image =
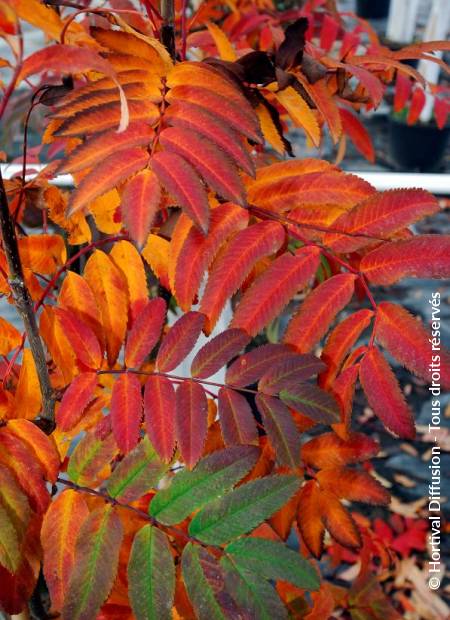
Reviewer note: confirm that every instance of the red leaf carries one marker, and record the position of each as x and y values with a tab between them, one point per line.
383	393
191	421
329	450
179	341
75	400
275	287
140	201
424	256
113	170
281	430
81	338
197	250
328	32
208	160
159	407
286	373
318	310
182	181
383	213
339	343
195	118
126	411
237	422
310	524
145	332
403	86
409	342
343	389
249	368
236	262
441	111
358	134
217	352
371	82
418	100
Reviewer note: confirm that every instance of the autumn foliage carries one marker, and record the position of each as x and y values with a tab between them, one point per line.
137	492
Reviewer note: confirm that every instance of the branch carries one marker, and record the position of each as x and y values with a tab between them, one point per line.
168	26
24	306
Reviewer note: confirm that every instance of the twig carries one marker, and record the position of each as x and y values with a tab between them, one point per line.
24	306
168	26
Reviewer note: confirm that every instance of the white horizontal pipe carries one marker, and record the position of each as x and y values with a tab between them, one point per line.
435	183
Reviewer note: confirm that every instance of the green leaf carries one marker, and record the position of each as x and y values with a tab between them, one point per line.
139	472
10	556
95	567
200	572
243	509
255	595
213	476
273	560
89	458
312	402
151	575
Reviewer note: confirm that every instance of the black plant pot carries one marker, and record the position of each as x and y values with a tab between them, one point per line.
375	9
417	147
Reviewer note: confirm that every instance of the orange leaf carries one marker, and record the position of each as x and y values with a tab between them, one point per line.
358	134
82	339
383	393
43	253
329	450
75	400
39	444
309	522
300	113
140	200
125	256
339	521
57	344
28	398
60	528
10	337
353	485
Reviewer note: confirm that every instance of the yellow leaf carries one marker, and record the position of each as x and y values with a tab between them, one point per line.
27	400
128	260
43	253
270	132
59	348
156	253
10	337
103	209
222	42
300	113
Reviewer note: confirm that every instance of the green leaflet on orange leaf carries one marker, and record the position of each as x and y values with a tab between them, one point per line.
126	411
207	159
217	352
60	528
76	296
235	114
27	397
90	457
329	450
318	310
191	252
75	400
424	256
408	341
274	288
191	421
41	446
183	183
339	343
145	332
281	430
16	455
310	524
195	118
300	113
179	341
43	253
358	134
381	215
113	170
138	473
311	401
129	261
151	575
97	148
95	567
354	485
105	116
140	200
159	409
111	292
236	262
237	422
213	476
311	189
384	395
289	372
241	510
82	339
72	59
10	337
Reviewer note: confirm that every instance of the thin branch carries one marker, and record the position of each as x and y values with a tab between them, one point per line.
168	26
24	306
